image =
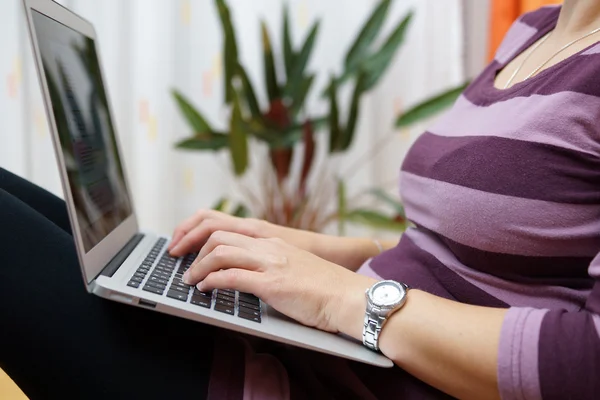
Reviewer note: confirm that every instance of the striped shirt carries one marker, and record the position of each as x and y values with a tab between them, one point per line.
504	192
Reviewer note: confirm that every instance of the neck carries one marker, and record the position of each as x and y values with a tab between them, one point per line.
578	16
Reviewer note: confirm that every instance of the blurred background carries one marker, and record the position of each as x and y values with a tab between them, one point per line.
149	47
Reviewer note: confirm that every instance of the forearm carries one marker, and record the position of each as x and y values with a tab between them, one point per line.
449	345
348	252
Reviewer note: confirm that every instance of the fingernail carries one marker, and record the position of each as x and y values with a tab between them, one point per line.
200	286
186	277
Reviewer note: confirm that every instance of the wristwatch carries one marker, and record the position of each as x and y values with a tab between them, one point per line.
383	299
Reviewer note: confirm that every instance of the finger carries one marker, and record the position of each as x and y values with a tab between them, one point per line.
197	237
177	235
189	224
222	237
223	257
235	279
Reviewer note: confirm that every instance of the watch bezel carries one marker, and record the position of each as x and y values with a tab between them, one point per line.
384	307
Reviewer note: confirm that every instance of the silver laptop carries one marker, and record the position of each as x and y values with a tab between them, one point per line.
118	261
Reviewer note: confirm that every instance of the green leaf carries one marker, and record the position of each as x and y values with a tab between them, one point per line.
215	141
430	107
241	211
230	50
300	99
342	215
222	205
273	89
348	133
386	198
194	118
295	133
301	60
249	93
378	64
335	131
238	140
288	49
367	35
375	220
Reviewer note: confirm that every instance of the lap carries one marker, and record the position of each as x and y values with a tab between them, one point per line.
58	341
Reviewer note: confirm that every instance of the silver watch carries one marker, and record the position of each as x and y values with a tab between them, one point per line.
383	299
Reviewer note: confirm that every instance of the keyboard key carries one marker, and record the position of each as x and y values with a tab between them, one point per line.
180	289
249	306
225	297
224	309
158	280
143	270
136	279
248	296
227	291
201	301
139	275
134	284
225	303
163	270
153	289
180	284
160	275
255	303
244	310
157	285
177	295
199	293
249	317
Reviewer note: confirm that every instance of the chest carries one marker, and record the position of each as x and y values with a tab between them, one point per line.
519	176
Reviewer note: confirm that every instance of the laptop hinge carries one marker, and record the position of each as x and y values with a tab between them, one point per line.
121	256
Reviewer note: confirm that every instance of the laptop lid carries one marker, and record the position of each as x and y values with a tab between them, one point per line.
84	136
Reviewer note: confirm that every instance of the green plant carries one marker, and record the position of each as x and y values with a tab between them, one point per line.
284	126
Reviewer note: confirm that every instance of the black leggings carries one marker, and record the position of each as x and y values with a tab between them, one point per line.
58	341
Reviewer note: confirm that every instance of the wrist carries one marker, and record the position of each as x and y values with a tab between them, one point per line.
351	305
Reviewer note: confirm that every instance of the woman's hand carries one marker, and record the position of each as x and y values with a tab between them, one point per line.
191	235
295	282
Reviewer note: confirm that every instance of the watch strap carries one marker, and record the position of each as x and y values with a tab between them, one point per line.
372	328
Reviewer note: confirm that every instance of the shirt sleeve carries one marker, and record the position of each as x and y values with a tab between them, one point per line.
552	354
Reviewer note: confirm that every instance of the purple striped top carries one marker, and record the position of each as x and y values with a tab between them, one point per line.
505	195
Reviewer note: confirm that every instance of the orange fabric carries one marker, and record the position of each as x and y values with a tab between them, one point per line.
505	12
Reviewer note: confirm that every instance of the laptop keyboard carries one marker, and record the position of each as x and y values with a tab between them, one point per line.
165	277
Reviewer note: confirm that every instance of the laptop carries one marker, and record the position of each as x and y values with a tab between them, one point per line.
118	261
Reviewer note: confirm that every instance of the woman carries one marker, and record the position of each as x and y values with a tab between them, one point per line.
503	262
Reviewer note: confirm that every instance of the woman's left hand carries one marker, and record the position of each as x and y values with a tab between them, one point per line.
313	291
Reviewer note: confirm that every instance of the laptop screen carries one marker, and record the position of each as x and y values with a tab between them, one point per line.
85	128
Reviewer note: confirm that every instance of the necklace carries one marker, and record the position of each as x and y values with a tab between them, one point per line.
533	50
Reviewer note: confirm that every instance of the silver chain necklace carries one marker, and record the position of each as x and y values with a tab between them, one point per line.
533	50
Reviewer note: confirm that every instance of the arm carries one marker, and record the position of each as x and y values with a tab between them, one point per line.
475	352
449	345
335	249
463	350
351	253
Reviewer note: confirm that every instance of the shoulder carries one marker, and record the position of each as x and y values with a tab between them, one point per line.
524	29
539	18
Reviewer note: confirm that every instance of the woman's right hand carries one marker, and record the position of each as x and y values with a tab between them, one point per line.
193	233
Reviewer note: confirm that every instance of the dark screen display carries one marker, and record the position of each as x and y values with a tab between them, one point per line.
85	128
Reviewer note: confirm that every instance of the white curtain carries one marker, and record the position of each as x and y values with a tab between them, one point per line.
151	46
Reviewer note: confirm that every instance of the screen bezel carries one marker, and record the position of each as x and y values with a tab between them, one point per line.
93	261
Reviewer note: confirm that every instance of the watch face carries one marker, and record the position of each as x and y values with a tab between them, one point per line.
387	294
